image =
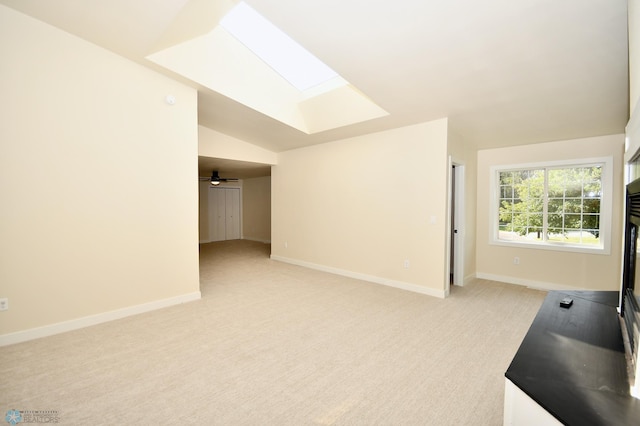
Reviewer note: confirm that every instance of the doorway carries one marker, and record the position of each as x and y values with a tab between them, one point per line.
456	227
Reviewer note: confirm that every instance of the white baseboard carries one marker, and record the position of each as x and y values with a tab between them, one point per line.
257	240
75	324
364	277
468	279
538	285
242	238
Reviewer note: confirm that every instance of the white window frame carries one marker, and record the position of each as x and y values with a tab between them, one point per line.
606	206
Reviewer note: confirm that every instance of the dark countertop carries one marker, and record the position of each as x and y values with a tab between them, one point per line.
572	361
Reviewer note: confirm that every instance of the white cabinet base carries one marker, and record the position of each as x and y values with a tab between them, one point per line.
521	410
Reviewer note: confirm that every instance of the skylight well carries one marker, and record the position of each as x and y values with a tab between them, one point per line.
288	58
242	56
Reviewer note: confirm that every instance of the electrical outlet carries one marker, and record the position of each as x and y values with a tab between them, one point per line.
406	264
4	304
516	260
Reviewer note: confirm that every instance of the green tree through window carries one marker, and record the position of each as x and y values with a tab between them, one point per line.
559	205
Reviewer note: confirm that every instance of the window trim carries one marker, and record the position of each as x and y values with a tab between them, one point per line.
606	206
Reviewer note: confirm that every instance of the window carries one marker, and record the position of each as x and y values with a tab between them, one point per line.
553	206
288	58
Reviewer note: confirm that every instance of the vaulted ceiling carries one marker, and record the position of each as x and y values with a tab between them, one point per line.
505	72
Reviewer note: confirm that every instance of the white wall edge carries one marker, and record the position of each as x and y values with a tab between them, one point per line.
632	136
538	285
78	323
364	277
468	279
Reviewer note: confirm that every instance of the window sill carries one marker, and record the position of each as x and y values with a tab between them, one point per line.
599	249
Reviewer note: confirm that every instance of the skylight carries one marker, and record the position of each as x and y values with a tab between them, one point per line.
288	58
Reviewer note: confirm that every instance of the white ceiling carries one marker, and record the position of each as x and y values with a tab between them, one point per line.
505	72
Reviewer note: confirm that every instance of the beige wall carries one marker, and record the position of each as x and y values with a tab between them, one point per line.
218	145
99	194
256	209
361	206
546	268
203	211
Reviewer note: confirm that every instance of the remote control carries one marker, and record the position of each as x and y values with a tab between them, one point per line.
566	302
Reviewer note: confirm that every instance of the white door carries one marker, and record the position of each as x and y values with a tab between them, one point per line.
224	214
217	215
232	205
456	238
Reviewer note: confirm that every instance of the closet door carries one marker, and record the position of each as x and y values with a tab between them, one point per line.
232	204
217	215
224	214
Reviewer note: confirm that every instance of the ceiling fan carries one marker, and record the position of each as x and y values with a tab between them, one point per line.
215	179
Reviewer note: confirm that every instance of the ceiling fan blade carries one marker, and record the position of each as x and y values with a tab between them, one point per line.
215	177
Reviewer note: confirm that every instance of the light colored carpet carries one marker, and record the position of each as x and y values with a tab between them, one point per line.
277	344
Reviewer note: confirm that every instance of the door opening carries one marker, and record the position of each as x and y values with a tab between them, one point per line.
456	228
453	229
